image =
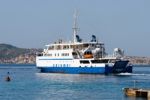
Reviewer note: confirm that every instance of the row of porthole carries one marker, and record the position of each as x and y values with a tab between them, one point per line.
61	65
63	54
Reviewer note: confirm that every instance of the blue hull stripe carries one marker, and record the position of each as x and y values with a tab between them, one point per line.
74	70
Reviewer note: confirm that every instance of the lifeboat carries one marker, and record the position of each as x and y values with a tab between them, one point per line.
88	54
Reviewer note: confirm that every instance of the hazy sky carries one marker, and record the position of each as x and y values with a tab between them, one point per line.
117	23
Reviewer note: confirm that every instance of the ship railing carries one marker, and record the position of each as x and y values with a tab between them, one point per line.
110	57
117	56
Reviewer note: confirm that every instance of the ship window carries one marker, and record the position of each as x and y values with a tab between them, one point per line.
65	54
67	46
51	48
48	54
85	45
72	46
64	47
58	47
84	61
105	61
74	53
99	61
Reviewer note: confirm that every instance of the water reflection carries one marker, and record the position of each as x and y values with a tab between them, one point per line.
69	77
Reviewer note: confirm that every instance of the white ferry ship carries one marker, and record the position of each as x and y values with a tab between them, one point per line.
79	57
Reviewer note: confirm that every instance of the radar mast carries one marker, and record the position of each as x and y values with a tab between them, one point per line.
75	26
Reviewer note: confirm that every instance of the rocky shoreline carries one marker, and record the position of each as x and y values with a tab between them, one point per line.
31	58
13	55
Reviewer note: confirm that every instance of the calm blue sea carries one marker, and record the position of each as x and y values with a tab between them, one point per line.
29	84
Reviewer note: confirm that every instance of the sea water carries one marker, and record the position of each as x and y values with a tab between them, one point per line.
27	83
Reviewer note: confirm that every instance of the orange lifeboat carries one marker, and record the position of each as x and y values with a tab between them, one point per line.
88	54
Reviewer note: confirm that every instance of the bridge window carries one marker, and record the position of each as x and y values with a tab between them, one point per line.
51	48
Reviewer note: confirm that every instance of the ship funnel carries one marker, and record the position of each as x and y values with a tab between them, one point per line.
93	38
78	38
75	27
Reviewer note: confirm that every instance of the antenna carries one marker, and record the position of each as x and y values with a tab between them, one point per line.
75	27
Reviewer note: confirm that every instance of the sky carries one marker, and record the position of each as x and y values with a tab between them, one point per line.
117	23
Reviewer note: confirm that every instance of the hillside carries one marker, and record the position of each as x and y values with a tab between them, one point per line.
8	51
12	54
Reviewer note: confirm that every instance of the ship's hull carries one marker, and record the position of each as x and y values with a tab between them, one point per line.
74	70
118	67
70	66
